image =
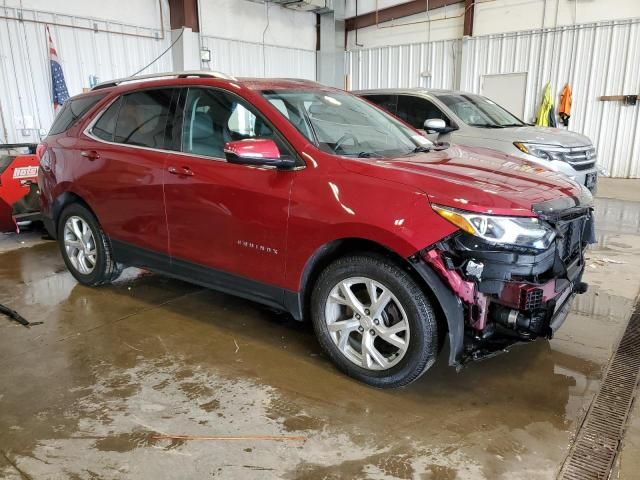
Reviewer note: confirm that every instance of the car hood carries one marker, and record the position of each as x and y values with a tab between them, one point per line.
477	181
543	135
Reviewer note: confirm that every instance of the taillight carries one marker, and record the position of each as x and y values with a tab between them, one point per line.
43	156
40	150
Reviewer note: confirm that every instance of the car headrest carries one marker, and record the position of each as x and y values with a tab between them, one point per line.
202	126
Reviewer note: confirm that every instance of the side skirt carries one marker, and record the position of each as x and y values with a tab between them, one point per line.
208	277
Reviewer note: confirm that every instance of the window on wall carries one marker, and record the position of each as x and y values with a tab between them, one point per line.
143	117
213	118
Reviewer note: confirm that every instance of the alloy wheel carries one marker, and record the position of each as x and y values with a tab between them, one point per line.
80	245
367	323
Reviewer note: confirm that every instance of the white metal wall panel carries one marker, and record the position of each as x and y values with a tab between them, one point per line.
116	50
249	59
596	59
431	65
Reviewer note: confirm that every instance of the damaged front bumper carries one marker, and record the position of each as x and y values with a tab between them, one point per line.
508	294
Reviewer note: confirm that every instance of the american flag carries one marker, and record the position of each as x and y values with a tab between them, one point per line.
59	86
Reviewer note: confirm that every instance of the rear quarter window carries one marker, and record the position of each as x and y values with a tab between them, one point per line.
72	111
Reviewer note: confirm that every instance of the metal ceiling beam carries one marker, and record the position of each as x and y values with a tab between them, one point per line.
469	10
397	11
184	13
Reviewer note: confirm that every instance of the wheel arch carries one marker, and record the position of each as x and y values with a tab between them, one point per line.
335	249
61	202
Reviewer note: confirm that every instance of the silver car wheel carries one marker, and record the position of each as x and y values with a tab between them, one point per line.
367	323
80	245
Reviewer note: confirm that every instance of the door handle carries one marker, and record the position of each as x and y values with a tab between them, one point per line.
182	172
90	154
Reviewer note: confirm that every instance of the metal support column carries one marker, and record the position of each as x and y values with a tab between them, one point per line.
330	57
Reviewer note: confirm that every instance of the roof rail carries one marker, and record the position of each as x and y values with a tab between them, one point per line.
195	73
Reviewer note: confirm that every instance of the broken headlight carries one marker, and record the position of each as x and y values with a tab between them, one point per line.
517	231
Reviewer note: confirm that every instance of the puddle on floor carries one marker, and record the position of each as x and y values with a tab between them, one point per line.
84	393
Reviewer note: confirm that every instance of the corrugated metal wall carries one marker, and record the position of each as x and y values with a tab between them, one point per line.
115	50
596	59
431	65
240	59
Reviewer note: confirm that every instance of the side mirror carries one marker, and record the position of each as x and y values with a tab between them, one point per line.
436	125
261	152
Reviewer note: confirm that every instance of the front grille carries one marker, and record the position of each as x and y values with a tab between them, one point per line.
581	158
584	166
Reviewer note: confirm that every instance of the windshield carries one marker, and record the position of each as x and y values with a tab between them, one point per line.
343	124
478	111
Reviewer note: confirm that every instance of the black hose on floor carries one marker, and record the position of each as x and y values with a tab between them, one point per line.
13	315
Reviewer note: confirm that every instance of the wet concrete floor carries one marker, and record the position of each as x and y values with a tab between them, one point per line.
83	395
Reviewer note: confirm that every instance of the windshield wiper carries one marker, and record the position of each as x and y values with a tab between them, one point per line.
367	155
485	125
421	149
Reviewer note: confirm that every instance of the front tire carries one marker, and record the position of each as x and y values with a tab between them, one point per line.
85	248
374	321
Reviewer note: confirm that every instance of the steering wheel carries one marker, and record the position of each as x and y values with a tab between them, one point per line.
343	139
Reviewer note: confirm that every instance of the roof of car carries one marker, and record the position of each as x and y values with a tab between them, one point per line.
408	91
204	77
280	84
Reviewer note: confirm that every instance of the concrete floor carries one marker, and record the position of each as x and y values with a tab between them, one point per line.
82	395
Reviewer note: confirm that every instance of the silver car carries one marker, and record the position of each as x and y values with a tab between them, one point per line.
475	121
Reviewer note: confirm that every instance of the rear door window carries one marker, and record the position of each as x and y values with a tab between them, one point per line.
72	111
142	119
415	110
105	127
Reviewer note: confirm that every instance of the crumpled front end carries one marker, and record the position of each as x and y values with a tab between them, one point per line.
511	294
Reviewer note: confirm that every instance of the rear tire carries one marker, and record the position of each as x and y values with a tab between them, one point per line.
374	321
85	248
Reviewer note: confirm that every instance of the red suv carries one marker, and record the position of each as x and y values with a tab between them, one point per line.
313	201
